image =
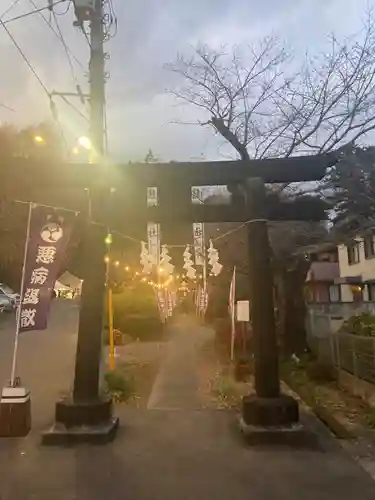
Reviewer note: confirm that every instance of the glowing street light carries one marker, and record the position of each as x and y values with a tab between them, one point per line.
117	263
106	259
84	142
39	139
75	151
126	268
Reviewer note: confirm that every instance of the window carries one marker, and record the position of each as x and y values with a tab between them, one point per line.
371	292
334	293
368	243
353	253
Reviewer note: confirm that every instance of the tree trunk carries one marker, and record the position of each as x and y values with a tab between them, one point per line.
291	308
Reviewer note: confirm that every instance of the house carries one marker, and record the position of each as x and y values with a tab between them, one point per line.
357	268
320	283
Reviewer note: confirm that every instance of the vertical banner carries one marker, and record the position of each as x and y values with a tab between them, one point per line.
170	304
153	229
232	312
49	234
198	231
198	235
162	305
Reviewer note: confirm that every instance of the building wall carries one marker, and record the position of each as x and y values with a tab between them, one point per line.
364	268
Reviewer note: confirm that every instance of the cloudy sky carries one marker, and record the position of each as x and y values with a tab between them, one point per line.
150	33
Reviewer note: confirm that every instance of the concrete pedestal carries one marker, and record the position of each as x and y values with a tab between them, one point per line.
282	410
82	422
15	412
274	421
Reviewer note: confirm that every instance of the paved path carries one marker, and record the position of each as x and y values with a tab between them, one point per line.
45	359
181	453
176	385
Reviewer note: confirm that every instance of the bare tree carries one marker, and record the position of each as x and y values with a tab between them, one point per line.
264	108
256	99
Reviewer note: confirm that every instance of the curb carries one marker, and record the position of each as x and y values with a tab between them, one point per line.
324	415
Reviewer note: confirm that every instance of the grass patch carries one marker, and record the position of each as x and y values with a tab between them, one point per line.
120	385
224	389
336	407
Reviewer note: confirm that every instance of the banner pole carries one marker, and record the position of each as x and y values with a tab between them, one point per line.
18	310
110	331
233	312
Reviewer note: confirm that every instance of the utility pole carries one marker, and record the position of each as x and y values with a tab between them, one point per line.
97	81
87	414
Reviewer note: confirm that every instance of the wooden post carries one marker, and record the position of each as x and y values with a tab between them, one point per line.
267	383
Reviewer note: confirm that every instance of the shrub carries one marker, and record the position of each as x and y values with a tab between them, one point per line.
119	337
119	384
360	324
224	389
136	313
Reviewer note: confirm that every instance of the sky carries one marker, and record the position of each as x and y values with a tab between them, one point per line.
140	114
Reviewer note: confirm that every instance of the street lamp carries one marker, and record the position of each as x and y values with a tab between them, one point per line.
38	139
84	142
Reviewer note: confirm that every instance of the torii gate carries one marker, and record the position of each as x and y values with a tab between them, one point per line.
86	414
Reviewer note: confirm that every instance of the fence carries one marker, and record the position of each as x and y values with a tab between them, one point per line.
351	353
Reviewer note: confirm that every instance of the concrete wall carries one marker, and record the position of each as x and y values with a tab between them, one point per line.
365	268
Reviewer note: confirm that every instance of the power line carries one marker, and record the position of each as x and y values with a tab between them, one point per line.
67	52
2	105
74	107
11	7
56	33
40	81
25	58
27	14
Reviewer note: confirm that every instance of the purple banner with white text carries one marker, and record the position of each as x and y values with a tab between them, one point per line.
49	234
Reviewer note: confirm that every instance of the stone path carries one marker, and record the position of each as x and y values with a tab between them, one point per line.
179	452
176	386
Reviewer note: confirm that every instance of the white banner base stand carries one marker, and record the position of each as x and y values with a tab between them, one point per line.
15	412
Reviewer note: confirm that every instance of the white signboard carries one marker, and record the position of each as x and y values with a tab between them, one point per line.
153	230
198	235
243	310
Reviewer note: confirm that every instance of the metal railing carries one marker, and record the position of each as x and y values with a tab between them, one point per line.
351	353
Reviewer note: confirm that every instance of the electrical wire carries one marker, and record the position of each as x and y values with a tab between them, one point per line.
11	7
66	49
2	105
110	21
56	33
40	81
106	145
27	14
73	107
25	58
66	10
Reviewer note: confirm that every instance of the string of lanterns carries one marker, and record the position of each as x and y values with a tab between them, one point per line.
140	276
163	266
148	261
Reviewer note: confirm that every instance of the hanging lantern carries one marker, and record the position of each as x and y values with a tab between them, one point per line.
188	263
213	260
165	259
146	261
